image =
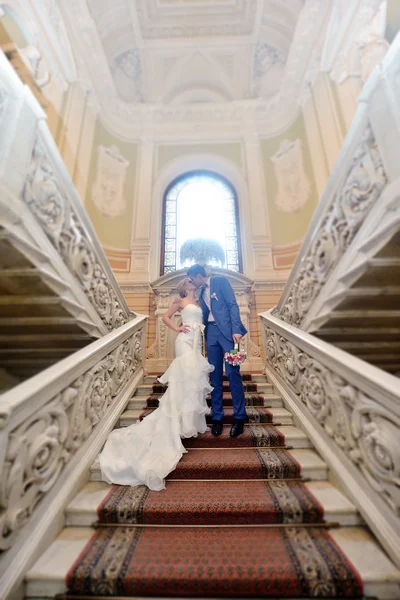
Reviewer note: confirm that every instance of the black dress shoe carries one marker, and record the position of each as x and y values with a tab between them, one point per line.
217	428
237	428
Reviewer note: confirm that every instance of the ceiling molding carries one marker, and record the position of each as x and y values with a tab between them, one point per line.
231	78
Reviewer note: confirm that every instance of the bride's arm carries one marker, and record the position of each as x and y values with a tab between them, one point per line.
175	306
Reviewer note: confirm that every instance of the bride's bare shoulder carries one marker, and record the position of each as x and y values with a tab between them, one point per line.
177	303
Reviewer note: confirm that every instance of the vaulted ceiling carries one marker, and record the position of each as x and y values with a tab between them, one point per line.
185	51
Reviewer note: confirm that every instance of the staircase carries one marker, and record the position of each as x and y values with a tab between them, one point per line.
41	319
320	451
365	320
332	343
218	485
344	287
70	348
57	291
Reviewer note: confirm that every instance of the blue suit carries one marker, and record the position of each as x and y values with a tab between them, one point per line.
219	340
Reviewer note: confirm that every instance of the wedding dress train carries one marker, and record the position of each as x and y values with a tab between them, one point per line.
144	453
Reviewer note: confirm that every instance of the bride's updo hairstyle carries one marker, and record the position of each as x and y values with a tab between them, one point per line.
181	287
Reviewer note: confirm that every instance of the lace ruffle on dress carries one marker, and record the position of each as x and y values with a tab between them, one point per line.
144	453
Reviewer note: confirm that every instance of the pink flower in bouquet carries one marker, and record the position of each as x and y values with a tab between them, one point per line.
235	357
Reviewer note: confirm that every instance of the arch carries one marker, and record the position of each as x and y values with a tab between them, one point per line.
199	162
230	240
193	94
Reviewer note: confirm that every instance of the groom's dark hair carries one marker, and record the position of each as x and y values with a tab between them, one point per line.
195	270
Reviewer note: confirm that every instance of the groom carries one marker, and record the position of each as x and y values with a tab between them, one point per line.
223	329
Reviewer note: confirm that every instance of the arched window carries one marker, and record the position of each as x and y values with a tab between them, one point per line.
200	204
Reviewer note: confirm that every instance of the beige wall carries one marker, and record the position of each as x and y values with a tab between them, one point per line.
112	231
287	227
168	152
262	300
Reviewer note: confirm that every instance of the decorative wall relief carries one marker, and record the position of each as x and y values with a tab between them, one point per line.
362	427
361	187
128	75
108	188
56	215
41	446
293	185
268	63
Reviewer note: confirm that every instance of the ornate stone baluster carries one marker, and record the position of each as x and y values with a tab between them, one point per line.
38	448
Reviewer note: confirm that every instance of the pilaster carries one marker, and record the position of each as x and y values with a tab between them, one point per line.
257	202
142	214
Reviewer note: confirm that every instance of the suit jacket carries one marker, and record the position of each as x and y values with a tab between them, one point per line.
224	307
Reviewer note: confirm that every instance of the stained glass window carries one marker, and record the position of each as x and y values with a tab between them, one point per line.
200	205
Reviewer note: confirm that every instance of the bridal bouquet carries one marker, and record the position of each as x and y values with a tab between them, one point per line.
235	357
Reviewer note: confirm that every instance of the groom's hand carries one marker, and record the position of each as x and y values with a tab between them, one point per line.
237	337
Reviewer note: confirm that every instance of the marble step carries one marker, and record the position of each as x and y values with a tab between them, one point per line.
293	436
381	578
146	389
270	400
149	379
311	465
280	415
258	378
82	511
255	378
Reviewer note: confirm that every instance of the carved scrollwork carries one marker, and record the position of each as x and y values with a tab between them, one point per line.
40	447
363	184
377	453
365	430
254	349
47	201
293	185
162	340
152	351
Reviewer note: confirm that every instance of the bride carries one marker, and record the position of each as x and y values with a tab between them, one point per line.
144	453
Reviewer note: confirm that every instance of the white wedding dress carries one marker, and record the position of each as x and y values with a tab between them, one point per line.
144	453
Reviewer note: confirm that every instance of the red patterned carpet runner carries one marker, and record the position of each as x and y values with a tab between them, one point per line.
225	562
220	538
255	414
159	388
212	503
251	400
260	463
257	435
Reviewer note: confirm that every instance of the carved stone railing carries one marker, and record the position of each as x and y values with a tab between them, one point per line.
366	167
349	408
351	412
51	429
33	172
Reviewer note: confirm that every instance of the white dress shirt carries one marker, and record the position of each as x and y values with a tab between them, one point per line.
207	299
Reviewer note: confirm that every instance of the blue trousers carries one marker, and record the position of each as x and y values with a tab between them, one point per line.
217	345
